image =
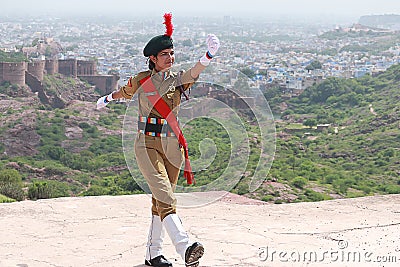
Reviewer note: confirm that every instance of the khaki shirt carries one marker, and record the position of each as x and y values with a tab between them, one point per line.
167	88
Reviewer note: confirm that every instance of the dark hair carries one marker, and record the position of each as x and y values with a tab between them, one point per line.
156	44
152	65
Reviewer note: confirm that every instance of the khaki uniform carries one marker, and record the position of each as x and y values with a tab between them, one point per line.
159	158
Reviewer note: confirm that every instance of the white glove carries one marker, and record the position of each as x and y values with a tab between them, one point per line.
103	101
212	45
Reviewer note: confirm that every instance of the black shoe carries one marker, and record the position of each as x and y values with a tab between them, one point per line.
193	254
159	261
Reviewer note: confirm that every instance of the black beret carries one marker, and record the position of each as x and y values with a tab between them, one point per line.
156	44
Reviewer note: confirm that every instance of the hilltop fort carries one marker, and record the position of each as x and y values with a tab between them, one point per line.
43	61
31	73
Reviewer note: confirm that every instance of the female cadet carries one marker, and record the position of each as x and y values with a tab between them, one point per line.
159	145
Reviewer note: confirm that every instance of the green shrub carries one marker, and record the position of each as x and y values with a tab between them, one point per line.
11	184
315	196
392	189
39	190
10	176
95	190
56	169
12	190
299	182
84	125
267	198
92	131
51	151
331	178
366	189
341	186
4	199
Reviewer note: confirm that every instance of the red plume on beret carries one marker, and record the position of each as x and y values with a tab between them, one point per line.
169	28
160	42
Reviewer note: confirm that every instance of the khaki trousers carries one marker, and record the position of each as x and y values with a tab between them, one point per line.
159	159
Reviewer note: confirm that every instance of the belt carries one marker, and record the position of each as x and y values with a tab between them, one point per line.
154	127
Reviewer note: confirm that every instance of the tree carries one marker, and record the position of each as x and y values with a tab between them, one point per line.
48	52
310	122
11	184
35	41
10	176
248	72
314	65
12	56
39	190
299	182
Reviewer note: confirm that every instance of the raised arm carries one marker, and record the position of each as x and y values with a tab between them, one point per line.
212	45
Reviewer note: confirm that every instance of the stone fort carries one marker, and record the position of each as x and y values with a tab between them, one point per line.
31	73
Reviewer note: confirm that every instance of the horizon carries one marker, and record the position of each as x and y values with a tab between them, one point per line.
339	10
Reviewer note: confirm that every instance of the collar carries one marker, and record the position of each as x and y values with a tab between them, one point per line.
163	75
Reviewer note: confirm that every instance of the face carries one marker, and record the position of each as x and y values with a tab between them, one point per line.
164	59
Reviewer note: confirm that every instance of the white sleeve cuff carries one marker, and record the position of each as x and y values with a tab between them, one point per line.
109	97
204	60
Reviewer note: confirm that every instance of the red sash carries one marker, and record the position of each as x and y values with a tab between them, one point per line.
159	104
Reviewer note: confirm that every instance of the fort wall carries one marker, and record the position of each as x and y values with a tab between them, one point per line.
22	73
104	83
1	72
36	68
37	86
86	67
13	72
51	66
68	67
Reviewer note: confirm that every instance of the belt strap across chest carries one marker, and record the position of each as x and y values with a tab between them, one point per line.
162	107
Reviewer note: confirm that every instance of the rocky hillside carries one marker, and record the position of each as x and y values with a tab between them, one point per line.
338	139
21	110
57	148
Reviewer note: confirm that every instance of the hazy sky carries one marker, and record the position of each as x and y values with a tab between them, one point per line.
258	8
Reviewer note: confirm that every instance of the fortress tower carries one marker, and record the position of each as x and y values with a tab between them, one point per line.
86	67
32	73
68	67
51	66
13	72
36	68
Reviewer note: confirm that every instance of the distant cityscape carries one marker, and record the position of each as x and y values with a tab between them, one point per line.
274	53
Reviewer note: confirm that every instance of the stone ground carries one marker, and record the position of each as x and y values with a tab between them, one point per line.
236	231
